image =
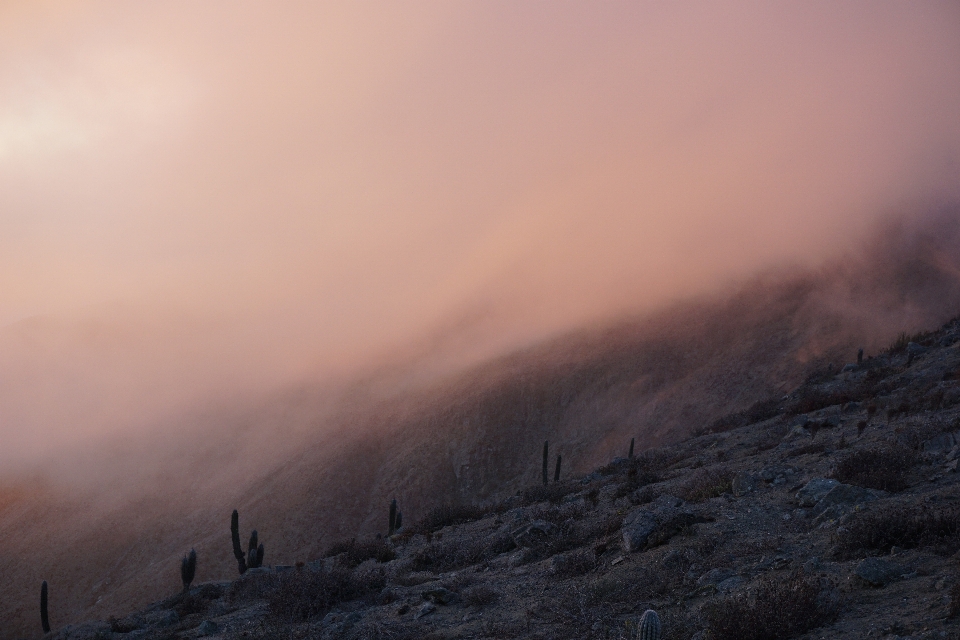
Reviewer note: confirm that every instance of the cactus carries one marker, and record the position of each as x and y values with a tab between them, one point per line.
393	518
44	618
255	552
556	474
235	535
399	521
188	569
859	356
630	455
545	462
649	626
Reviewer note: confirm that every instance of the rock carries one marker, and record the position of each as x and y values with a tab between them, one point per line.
655	523
915	349
165	618
534	534
426	610
280	568
440	596
945	442
730	584
207	628
850	366
844	495
877	572
852	407
797	433
715	576
813	491
637	528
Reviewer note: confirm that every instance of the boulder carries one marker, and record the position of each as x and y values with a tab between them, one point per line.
655	523
534	534
813	491
877	572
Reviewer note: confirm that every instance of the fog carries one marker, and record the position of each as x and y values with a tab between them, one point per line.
201	202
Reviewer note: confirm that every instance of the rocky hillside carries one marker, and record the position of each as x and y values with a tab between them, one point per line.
832	512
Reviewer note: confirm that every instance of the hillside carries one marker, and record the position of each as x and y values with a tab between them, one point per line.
471	438
833	512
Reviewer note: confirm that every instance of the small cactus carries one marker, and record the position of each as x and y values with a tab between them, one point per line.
556	474
399	522
255	552
188	569
859	356
546	444
649	626
393	518
44	618
630	455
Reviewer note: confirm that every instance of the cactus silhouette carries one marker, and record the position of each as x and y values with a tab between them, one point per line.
649	626
235	535
393	517
399	522
255	552
188	569
44	618
630	455
545	462
556	474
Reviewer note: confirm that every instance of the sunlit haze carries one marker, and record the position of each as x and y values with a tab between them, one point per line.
214	198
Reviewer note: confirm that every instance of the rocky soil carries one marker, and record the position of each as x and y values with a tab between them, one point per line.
832	512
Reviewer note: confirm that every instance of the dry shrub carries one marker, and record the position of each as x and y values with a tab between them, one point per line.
775	609
301	595
448	555
553	493
954	600
449	515
575	563
480	595
357	552
706	484
903	526
883	467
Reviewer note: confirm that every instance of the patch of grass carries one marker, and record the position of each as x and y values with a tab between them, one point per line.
907	527
360	551
775	609
706	484
882	467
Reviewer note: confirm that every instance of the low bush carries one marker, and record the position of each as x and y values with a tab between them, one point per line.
553	493
448	555
907	527
449	515
357	552
575	563
882	467
706	484
775	609
301	595
480	595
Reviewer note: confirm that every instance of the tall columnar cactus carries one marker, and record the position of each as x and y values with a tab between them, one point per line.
188	569
649	626
546	446
556	474
399	522
630	455
237	549
44	618
859	356
393	518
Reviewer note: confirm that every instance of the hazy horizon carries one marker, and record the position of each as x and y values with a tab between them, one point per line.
208	201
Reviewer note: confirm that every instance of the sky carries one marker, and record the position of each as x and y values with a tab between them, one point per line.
201	198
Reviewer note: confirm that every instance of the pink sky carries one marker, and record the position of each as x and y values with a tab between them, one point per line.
259	190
